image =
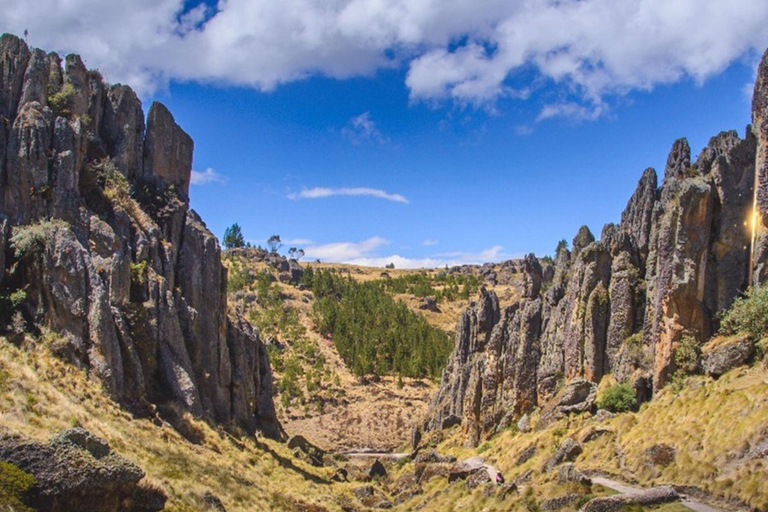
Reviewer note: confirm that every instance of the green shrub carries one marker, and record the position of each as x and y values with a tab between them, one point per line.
139	272
61	102
687	354
618	398
748	314
29	240
15	485
239	278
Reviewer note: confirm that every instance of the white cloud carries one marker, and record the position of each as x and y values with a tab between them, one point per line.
587	48
298	241
362	128
207	176
429	242
345	251
366	253
322	192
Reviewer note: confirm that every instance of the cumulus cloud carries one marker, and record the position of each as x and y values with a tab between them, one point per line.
322	192
367	253
466	51
210	175
362	128
341	252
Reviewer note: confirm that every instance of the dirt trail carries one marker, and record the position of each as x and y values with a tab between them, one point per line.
623	488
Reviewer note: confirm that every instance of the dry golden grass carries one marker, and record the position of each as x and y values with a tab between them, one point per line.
40	396
715	427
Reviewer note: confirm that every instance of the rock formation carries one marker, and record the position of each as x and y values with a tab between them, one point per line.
621	304
78	471
96	230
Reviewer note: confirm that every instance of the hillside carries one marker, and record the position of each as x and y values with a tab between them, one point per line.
344	411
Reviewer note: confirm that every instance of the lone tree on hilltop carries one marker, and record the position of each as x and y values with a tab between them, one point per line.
274	243
295	253
233	237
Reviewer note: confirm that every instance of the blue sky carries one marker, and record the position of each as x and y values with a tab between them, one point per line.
419	133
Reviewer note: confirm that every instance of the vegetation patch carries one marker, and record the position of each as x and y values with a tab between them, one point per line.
374	333
15	486
618	398
29	240
748	314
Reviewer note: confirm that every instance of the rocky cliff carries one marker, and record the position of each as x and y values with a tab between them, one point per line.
98	244
621	304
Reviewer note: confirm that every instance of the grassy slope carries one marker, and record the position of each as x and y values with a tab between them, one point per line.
40	395
711	424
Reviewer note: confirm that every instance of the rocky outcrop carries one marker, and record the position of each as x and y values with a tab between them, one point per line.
96	229
645	498
78	471
760	215
167	148
620	304
721	355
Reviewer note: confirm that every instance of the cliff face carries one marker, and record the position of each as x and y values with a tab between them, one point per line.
621	304
96	230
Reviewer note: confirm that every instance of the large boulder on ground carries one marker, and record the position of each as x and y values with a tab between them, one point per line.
377	470
577	396
525	455
429	304
478	478
559	502
464	468
722	355
78	471
661	454
432	457
424	472
654	496
567	452
569	473
305	450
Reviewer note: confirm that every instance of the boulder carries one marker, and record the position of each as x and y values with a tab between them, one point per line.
567	452
432	457
568	473
213	502
377	470
305	450
78	471
477	478
559	502
524	425
720	356
661	454
296	271
577	396
340	475
644	498
506	490
525	455
593	433
429	304
424	472
464	468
